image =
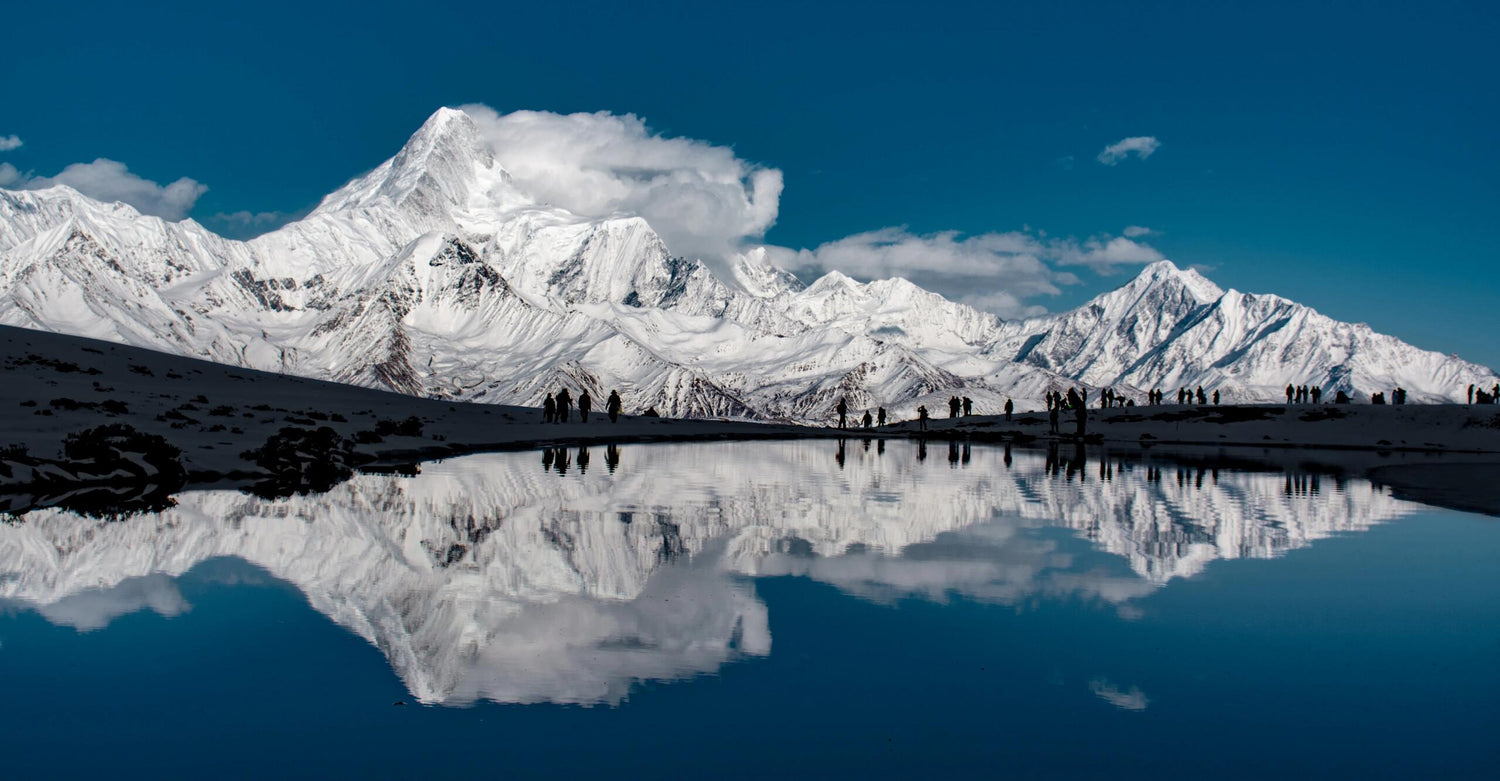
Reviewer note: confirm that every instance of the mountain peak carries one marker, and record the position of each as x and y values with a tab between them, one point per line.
437	169
1165	272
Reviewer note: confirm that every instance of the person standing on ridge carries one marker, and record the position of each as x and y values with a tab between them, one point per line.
953	406
1216	397
1202	397
881	417
585	403
1317	394
922	417
564	405
867	421
549	409
612	406
968	406
843	410
1009	408
1289	391
1471	393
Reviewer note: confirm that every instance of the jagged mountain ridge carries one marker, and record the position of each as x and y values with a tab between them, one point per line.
435	274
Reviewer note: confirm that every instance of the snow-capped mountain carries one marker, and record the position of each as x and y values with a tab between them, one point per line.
488	577
436	274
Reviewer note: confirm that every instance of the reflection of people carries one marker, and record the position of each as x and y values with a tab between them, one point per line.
546	459
583	459
921	450
560	462
953	452
612	458
839	456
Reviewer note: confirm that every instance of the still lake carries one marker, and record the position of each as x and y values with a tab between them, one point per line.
759	610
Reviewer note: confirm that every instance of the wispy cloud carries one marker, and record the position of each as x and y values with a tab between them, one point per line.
246	224
1140	146
1131	699
9	142
1136	231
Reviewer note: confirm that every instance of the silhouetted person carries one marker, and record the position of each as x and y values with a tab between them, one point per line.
1202	397
612	458
1495	394
1081	414
585	403
1182	394
1216	397
953	406
583	459
867	419
1052	413
1341	398
1317	394
968	406
1009	408
1398	396
650	413
1290	391
1471	393
1377	398
922	419
843	410
564	405
612	406
880	417
549	409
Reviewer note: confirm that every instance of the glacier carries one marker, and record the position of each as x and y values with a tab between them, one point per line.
435	274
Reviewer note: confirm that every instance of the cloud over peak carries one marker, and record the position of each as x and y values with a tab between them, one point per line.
10	142
110	180
1140	146
701	198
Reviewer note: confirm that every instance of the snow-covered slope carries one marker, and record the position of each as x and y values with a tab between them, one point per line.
488	577
435	274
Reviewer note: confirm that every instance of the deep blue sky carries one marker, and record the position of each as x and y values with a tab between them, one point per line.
1340	154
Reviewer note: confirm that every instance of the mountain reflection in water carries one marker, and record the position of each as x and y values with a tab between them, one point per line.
494	577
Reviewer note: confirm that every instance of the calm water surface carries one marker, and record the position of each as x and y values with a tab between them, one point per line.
759	610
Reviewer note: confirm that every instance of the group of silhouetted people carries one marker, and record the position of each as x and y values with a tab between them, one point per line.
556	408
1480	396
1302	394
1111	398
866	421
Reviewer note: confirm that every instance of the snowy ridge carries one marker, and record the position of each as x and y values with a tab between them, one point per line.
487	578
434	274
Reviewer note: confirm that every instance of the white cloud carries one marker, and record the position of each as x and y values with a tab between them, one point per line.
1104	254
10	142
9	175
1136	231
1141	146
110	180
996	272
702	199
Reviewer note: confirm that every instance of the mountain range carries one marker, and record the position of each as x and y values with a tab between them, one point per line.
436	274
